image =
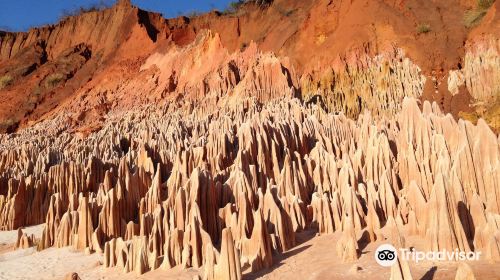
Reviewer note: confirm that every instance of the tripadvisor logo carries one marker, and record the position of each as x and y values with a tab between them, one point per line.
386	255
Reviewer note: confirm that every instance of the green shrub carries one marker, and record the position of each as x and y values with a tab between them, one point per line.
474	17
485	4
423	28
261	2
193	14
93	7
234	7
5	80
53	80
7	125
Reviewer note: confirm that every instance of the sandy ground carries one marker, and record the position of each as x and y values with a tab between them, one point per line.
48	264
314	258
56	263
8	237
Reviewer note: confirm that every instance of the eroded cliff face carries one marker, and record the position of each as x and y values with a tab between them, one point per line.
481	71
212	143
360	82
103	31
47	65
336	51
480	77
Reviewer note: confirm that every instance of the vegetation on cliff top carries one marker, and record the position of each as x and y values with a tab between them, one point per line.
94	7
5	81
473	17
236	6
423	28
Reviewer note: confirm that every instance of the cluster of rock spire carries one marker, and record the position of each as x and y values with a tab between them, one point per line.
227	190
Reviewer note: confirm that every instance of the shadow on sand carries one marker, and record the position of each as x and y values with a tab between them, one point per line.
278	259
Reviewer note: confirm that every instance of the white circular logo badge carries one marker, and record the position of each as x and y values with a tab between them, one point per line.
386	255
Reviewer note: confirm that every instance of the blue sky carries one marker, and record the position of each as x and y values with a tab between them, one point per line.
20	15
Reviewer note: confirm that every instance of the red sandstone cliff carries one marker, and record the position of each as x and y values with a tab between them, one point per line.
319	45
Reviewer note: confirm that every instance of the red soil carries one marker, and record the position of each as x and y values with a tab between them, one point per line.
84	59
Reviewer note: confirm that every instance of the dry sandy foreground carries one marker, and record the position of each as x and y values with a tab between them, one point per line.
54	263
314	258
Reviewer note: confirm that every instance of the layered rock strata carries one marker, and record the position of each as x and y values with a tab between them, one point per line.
358	81
480	73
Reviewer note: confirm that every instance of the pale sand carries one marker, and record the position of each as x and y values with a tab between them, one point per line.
47	264
56	263
9	237
314	258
